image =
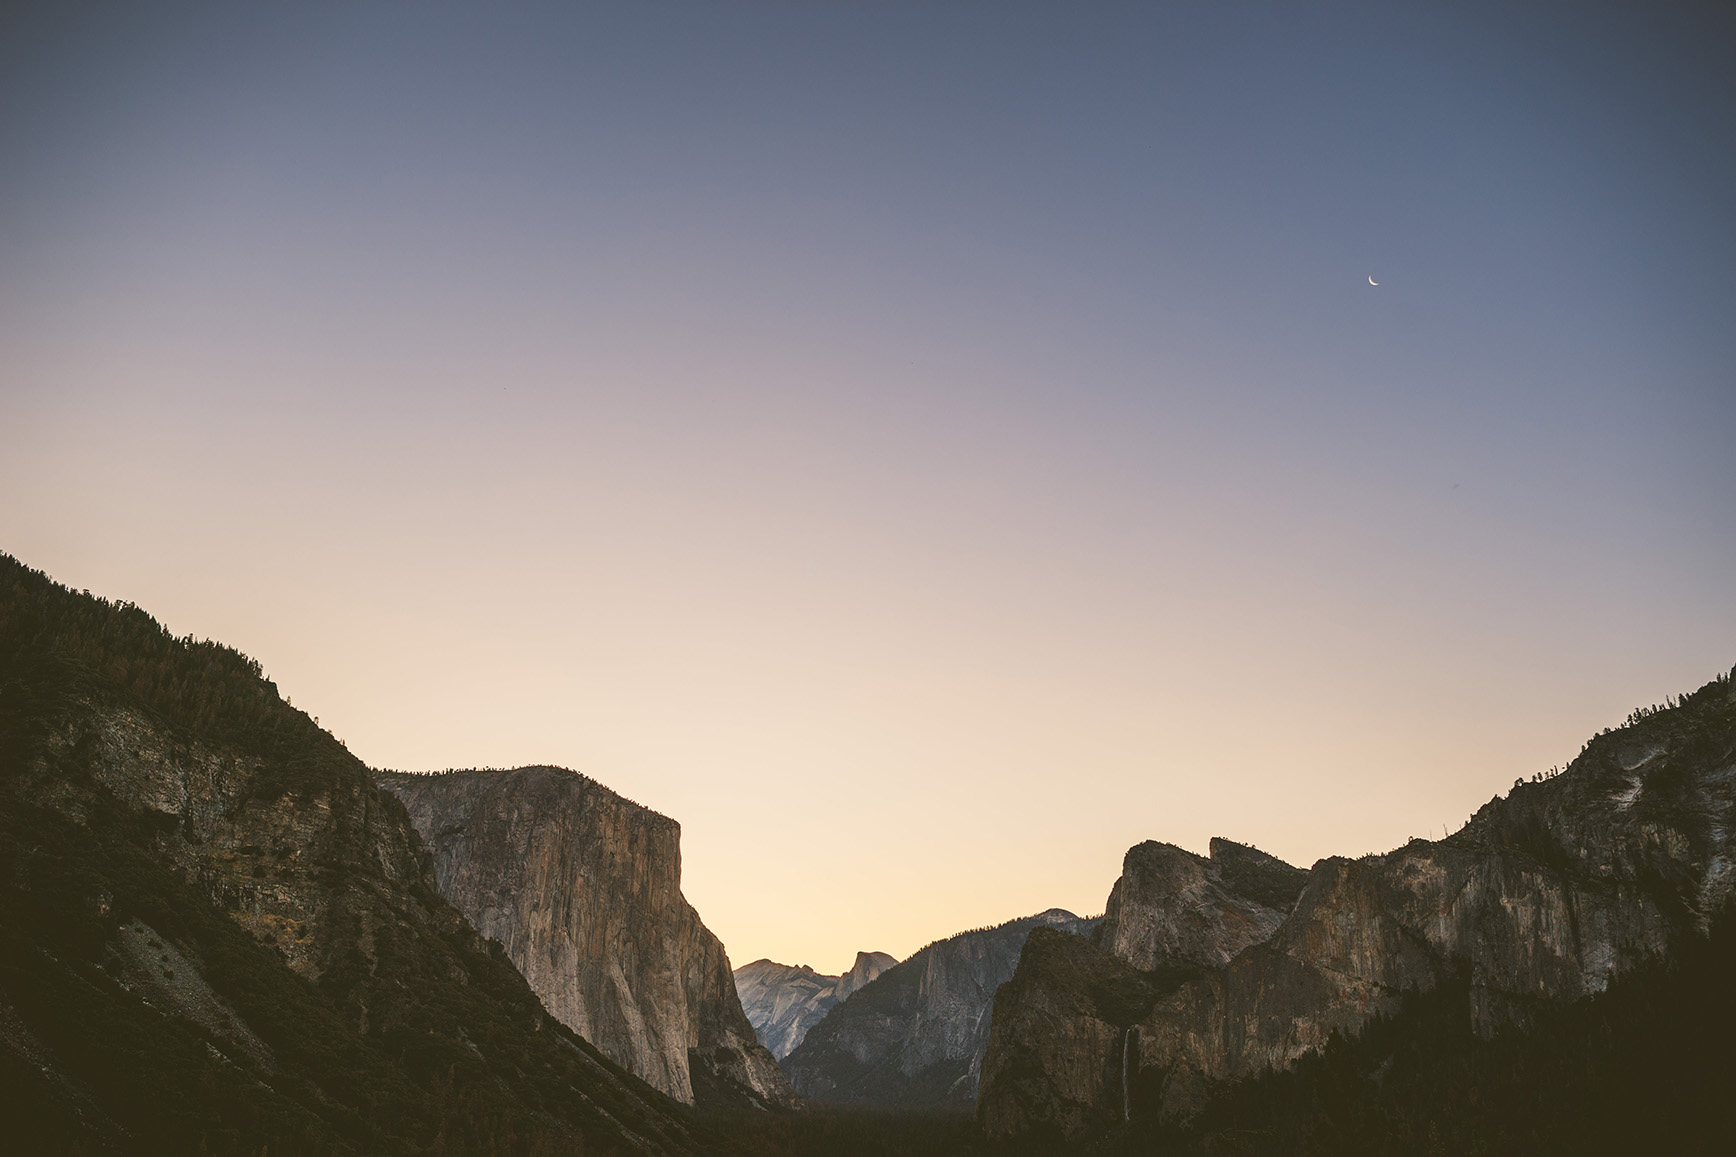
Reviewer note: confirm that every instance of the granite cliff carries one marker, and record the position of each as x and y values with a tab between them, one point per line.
1059	1046
1547	895
216	934
784	1001
1173	907
913	1038
583	890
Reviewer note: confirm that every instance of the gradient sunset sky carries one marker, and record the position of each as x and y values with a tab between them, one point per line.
924	449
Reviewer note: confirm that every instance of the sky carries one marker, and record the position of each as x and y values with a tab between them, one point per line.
923	449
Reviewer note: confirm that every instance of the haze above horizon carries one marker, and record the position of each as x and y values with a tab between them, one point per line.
924	450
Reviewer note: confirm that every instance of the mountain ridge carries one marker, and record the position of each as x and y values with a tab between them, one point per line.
1548	895
913	1037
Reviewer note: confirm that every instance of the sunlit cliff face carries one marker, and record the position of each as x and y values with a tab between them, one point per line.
923	458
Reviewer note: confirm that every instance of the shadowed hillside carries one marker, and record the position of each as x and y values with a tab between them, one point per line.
1455	966
912	1039
217	936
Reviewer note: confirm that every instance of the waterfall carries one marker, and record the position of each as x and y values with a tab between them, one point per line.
1129	1038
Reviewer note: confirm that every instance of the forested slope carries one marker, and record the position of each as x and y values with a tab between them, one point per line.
216	935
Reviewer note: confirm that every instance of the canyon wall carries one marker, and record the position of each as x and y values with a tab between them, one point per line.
583	890
1059	1050
1546	895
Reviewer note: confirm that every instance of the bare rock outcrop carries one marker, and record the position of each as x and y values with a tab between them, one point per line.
784	1001
583	890
1063	1046
866	970
1171	906
1062	1037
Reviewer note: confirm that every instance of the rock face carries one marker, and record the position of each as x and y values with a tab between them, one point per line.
1061	1040
216	932
913	1038
1062	1048
1171	906
784	1001
1547	894
868	967
583	889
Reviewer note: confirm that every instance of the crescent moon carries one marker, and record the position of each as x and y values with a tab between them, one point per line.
1372	281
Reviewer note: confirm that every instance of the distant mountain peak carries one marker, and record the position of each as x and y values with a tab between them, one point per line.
784	1001
913	1038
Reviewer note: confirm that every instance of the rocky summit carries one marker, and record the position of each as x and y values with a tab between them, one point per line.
1173	907
583	889
914	1037
783	1001
1546	896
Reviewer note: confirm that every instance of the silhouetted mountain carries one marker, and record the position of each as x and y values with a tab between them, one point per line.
216	934
1547	896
